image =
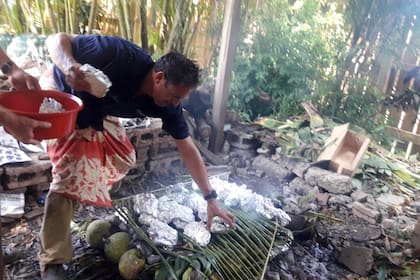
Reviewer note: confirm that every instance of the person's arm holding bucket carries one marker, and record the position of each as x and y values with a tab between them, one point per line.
19	127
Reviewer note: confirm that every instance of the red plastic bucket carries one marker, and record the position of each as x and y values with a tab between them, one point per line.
27	103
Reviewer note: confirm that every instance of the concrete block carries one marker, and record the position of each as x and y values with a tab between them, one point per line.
27	174
241	140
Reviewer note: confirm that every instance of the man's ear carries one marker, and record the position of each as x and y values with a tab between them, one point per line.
159	76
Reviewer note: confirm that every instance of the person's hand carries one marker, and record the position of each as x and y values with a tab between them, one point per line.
22	128
22	80
214	209
76	78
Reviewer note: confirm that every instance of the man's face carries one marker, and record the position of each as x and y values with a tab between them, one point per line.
165	94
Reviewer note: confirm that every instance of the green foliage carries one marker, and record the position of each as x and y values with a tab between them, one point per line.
322	51
284	49
359	106
296	138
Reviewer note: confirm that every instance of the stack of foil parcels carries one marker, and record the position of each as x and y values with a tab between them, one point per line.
185	209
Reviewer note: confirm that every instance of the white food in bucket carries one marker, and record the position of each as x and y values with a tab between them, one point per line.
50	105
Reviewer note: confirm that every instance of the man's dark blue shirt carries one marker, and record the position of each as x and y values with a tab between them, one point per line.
126	65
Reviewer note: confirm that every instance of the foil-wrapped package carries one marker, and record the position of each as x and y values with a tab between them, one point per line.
219	226
233	195
178	197
266	208
146	219
172	212
99	82
50	105
196	202
198	232
146	203
162	234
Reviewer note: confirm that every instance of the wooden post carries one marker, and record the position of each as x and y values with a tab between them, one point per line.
231	28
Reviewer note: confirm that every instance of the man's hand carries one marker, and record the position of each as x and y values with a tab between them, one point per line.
76	78
214	209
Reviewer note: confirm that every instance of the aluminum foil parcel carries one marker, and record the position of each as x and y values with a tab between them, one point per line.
99	82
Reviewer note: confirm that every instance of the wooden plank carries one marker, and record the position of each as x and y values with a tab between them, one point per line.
213	158
403	135
231	28
34	213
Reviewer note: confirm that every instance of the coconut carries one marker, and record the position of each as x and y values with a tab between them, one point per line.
96	231
116	245
131	264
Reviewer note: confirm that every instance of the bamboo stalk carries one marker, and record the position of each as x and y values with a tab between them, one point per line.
126	19
41	16
74	17
61	19
190	35
143	20
92	16
26	14
166	23
14	16
51	16
121	20
66	15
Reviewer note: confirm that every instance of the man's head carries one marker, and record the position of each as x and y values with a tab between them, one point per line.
174	78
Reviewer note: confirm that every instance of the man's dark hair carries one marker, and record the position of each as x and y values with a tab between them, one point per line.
178	69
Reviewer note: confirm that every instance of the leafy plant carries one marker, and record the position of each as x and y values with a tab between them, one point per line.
284	49
296	138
